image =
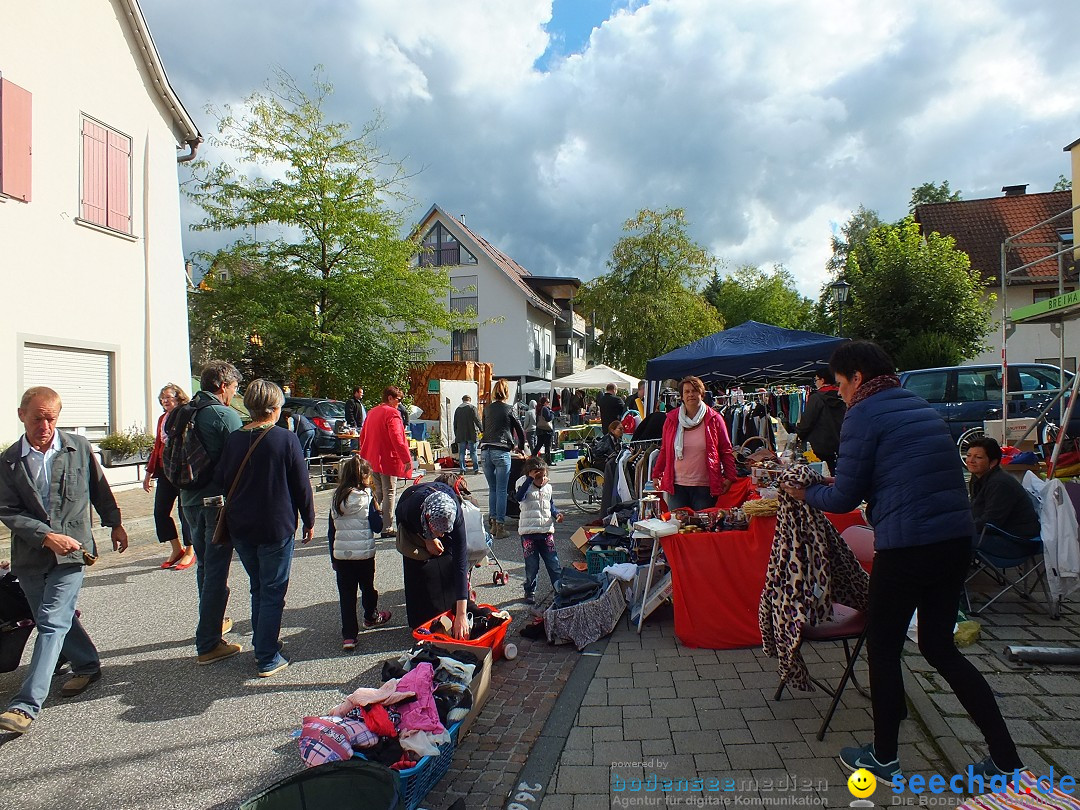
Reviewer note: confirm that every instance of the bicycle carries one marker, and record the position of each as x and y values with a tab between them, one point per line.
587	488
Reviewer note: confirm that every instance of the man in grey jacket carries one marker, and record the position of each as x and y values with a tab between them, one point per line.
48	480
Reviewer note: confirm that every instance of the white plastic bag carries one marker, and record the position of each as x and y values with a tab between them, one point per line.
476	536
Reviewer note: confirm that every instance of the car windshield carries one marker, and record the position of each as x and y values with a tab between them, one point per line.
331	409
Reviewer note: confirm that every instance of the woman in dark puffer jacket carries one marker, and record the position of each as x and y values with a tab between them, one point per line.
896	453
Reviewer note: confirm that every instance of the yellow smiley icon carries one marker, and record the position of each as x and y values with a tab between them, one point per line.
862	783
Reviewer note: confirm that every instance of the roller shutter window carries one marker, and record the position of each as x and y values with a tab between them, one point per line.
82	377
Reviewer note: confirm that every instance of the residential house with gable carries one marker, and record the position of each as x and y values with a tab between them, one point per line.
980	228
90	240
526	327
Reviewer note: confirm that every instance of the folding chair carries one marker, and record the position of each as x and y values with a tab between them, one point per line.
997	562
846	625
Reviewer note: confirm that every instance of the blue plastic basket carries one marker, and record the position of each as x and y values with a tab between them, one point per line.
416	782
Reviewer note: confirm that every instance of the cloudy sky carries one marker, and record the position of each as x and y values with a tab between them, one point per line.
550	123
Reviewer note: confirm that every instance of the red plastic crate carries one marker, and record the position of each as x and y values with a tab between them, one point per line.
493	639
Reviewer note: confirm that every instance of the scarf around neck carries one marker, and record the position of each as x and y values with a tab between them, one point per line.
687	422
875	385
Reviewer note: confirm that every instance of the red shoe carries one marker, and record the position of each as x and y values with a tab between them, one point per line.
185	566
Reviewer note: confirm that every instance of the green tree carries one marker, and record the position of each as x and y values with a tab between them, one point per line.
912	293
852	233
932	193
649	303
329	294
752	294
1063	184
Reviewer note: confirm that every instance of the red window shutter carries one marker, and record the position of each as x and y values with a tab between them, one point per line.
15	141
119	183
94	170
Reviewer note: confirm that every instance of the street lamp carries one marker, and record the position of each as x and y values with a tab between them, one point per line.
838	294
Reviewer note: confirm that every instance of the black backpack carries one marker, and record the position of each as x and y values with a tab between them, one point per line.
184	459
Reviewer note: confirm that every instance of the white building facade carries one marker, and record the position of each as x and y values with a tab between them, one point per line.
521	322
90	237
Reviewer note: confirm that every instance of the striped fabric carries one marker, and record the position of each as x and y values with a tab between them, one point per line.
1026	796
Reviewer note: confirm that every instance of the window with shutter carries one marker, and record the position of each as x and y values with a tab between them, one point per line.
106	177
15	141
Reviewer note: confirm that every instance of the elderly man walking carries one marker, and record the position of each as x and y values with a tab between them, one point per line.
48	480
213	420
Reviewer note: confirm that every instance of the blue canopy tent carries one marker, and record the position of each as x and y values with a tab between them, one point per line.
750	353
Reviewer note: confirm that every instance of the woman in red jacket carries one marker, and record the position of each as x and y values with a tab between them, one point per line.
383	446
696	464
183	556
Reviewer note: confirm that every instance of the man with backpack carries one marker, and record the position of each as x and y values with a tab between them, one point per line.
196	436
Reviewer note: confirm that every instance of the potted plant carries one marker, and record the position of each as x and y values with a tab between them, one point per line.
130	447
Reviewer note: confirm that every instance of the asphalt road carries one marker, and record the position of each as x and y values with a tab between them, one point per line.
159	731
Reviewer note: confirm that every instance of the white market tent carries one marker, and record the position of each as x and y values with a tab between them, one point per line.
597	376
535	387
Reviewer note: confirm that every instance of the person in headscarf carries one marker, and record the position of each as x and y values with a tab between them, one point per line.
430	516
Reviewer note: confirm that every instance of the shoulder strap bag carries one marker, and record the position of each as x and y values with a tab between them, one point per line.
221	530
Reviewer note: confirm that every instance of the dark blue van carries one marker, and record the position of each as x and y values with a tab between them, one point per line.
966	396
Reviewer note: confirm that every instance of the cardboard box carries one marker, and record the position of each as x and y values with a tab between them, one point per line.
481	682
582	536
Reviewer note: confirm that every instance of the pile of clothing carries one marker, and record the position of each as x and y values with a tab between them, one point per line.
425	692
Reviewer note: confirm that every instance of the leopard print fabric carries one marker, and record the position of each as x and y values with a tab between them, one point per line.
810	568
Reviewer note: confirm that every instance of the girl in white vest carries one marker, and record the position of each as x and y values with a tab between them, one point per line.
355	521
536	525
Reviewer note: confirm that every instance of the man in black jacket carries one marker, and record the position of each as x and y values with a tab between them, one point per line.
612	407
999	503
355	410
820	421
466	425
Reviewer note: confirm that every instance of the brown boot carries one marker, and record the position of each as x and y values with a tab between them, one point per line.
498	530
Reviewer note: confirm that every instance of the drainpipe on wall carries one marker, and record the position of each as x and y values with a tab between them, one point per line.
193	146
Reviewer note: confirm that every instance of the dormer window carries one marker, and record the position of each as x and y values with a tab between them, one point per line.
441	249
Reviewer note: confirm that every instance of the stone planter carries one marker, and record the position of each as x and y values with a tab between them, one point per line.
111	458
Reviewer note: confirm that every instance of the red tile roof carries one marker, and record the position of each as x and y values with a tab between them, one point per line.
981	226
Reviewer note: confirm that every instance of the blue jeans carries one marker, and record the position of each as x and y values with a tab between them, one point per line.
267	565
52	596
306	441
469	447
211	576
536	547
696	498
497	472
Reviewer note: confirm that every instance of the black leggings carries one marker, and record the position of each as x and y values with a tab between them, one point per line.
929	578
353	575
164	498
543	442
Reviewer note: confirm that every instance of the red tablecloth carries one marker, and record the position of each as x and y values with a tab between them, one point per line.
717	579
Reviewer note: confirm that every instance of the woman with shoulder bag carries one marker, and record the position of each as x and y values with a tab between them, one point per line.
502	434
262	467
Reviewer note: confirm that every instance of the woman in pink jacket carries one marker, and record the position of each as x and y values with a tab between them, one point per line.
696	464
383	446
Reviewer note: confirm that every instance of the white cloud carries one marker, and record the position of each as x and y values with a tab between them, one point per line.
768	120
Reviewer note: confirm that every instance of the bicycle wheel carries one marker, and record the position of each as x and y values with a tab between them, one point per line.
587	490
965	439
